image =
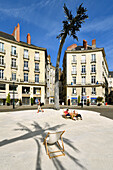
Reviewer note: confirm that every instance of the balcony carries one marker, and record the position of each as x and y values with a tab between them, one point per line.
14	67
93	93
37	58
26	57
93	61
74	94
93	72
2	51
83	72
26	69
74	72
2	65
83	61
83	93
3	78
14	54
37	70
74	62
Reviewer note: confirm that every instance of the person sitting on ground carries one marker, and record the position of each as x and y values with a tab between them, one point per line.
75	114
69	114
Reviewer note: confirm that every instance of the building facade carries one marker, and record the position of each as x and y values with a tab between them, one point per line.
22	68
85	74
110	88
50	79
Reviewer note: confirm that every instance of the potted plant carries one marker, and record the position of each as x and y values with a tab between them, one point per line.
8	100
99	101
78	100
32	101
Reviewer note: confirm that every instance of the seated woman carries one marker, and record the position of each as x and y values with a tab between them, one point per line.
75	114
69	114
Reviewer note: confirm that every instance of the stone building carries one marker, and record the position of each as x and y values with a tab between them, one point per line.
85	74
22	68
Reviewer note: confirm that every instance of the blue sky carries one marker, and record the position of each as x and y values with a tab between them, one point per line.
43	20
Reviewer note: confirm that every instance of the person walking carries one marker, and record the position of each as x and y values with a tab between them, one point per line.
39	106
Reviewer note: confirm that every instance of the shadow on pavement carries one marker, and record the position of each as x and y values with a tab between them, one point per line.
38	134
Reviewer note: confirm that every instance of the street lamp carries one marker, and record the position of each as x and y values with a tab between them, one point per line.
13	97
82	99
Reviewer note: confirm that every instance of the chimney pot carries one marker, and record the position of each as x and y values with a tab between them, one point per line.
94	43
85	44
28	38
16	32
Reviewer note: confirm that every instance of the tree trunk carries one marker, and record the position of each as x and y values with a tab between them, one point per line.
56	106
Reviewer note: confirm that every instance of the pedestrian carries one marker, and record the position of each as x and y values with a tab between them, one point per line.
39	106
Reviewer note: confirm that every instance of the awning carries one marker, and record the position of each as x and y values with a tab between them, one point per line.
93	97
74	98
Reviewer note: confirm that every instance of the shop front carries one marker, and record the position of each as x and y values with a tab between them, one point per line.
93	100
74	100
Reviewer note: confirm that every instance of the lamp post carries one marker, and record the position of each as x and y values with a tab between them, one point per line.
82	99
13	97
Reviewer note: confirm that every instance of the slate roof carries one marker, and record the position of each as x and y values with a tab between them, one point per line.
7	36
11	37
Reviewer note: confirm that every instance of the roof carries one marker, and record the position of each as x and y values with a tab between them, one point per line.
81	48
12	38
7	36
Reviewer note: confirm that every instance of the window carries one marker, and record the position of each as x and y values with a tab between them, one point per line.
26	77
36	90
1	47
83	80
93	90
37	66
26	65
83	69
73	69
1	74
13	50
13	87
2	86
36	78
13	64
93	57
93	79
83	90
13	76
37	56
26	54
74	80
74	58
83	58
93	68
74	91
1	60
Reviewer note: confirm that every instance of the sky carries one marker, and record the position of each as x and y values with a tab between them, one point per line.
43	20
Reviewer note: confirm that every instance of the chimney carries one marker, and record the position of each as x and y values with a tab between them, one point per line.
16	32
28	38
94	43
85	44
